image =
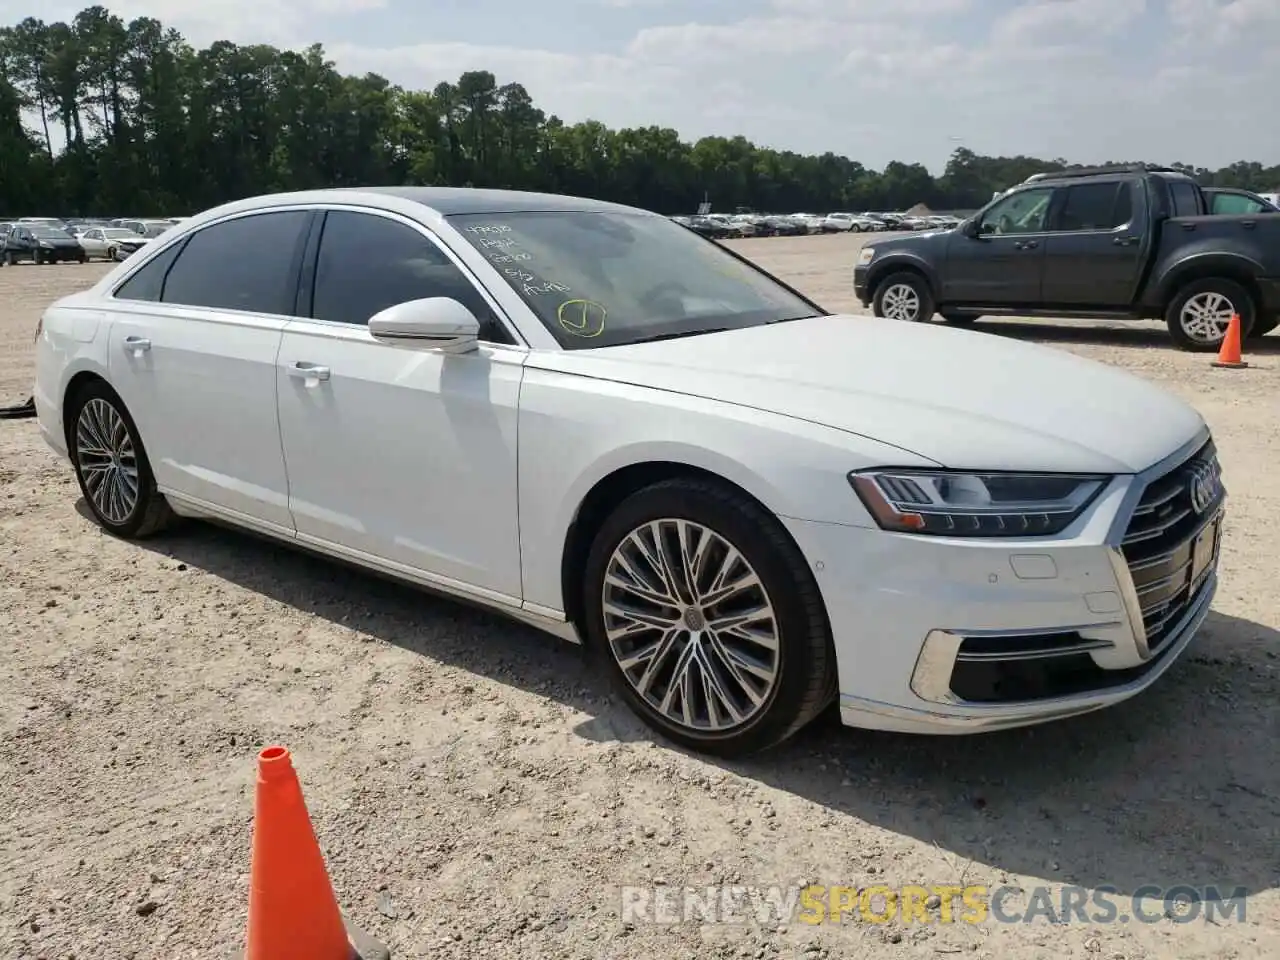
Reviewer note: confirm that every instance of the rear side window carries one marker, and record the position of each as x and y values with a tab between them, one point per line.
243	264
368	263
1185	198
1235	204
1096	206
148	283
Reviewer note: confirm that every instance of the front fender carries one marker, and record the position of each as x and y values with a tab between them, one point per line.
895	260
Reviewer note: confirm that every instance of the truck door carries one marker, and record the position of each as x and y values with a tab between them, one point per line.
1000	265
1095	250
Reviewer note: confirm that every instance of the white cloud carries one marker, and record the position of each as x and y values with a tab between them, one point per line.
1050	22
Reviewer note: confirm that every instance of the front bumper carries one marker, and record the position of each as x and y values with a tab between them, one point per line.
953	636
860	285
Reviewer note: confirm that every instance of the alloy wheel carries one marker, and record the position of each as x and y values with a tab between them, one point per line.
691	626
901	302
107	460
1206	316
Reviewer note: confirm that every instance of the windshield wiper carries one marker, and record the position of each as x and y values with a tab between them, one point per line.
807	316
682	333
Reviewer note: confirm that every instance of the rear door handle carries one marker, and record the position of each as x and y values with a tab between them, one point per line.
136	345
308	371
1026	245
1125	241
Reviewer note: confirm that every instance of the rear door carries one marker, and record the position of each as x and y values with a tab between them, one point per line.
1097	246
193	353
1002	265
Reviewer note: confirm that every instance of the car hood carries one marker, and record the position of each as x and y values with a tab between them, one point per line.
963	399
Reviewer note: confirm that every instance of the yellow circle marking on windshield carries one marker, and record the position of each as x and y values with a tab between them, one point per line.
582	318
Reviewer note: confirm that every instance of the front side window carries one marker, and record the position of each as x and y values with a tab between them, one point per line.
368	263
605	279
1021	212
242	264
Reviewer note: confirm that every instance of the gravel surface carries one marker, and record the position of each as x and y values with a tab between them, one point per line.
477	792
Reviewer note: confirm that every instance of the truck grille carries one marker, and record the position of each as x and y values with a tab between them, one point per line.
1171	544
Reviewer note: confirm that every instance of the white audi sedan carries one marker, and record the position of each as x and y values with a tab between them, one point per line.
587	417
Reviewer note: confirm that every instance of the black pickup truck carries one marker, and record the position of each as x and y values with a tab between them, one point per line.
1132	242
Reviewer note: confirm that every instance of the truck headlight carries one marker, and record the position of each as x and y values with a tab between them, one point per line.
954	504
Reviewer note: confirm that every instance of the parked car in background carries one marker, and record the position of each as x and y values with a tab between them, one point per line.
679	460
850	223
1130	242
1232	201
111	243
41	243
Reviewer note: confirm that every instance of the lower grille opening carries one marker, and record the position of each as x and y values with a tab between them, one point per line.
1062	667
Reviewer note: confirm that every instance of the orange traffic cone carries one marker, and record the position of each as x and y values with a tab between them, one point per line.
1229	352
293	913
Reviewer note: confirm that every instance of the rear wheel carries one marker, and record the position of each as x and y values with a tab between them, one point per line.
709	621
111	465
903	296
1199	315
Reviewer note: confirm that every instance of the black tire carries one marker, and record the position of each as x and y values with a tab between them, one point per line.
889	287
37	259
960	319
111	253
1238	300
9	258
1264	325
805	678
83	258
150	513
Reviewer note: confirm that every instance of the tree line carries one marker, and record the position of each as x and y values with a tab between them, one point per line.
132	120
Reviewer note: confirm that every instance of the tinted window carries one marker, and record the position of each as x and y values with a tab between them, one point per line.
1235	204
1096	206
148	282
1185	198
1021	212
368	263
243	264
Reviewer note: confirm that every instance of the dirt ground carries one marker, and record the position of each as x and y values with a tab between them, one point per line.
477	792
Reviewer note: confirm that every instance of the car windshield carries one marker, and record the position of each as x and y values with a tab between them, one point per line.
605	279
48	233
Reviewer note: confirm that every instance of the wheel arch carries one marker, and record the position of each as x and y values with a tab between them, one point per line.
1208	267
75	384
605	495
886	268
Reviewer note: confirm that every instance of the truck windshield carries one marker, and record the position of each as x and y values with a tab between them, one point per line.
604	279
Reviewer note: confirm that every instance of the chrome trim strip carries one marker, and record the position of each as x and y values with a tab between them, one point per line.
1006	656
963	716
1124	514
1129	596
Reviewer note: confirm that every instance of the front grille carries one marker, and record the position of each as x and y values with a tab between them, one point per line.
1172	542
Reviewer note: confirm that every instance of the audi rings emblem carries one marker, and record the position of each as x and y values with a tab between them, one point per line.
1204	484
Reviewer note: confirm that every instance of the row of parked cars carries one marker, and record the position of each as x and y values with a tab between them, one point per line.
52	239
722	226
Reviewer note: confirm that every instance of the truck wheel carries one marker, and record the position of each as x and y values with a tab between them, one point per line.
1199	315
903	296
1264	325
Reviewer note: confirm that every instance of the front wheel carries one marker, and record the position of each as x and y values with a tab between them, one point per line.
903	296
1199	315
111	465
709	621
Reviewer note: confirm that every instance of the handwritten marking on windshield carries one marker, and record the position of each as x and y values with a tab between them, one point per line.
582	318
481	228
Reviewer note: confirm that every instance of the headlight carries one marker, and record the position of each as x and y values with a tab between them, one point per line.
942	503
46	244
865	255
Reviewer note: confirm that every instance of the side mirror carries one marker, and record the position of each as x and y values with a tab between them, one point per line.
435	323
970	227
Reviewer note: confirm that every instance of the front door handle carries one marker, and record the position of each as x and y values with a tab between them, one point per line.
308	371
136	345
1125	241
1026	245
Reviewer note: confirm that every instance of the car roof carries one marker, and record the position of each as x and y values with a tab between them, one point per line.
448	201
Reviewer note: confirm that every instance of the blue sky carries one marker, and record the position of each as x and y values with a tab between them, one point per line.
877	80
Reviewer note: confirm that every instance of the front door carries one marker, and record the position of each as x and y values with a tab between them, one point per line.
397	452
193	355
1002	265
